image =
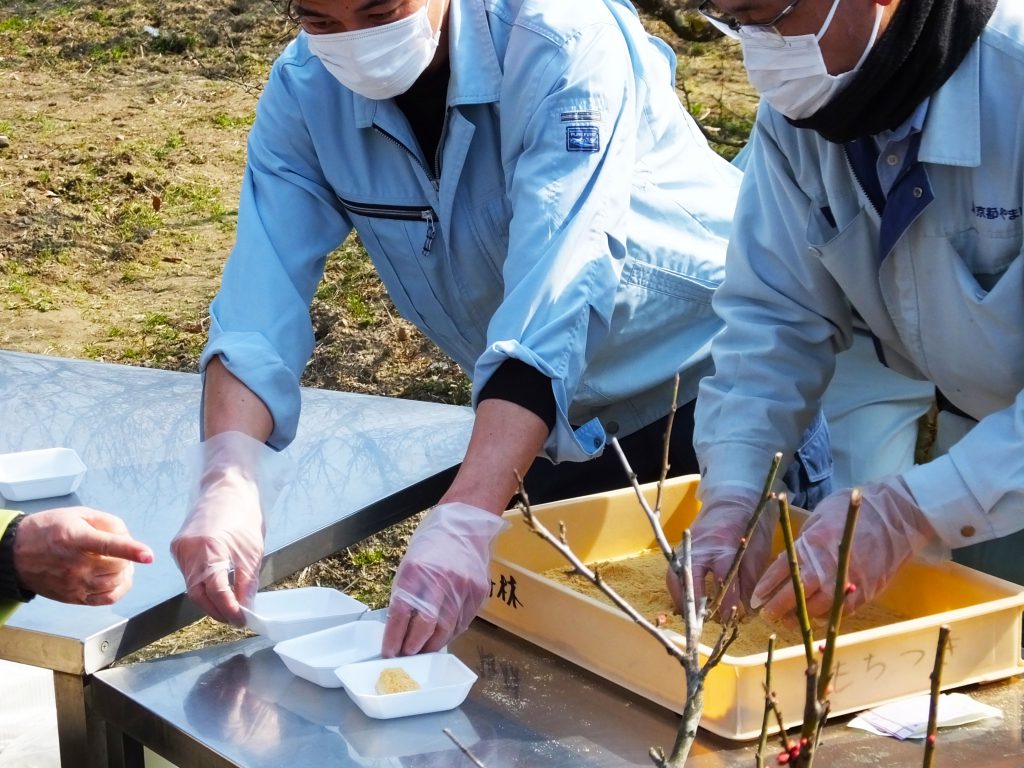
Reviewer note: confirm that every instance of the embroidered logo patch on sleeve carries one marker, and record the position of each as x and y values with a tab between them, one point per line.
582	138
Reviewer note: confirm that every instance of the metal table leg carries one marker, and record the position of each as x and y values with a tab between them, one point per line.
82	735
123	751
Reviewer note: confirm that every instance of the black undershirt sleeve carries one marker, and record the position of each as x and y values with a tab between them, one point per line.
524	385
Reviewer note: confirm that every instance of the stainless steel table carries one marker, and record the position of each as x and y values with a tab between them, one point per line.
237	705
362	463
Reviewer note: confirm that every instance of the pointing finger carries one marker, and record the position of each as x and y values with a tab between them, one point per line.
115	545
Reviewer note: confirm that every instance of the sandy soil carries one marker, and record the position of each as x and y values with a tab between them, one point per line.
641	580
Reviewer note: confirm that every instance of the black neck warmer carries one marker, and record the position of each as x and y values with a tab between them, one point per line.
925	42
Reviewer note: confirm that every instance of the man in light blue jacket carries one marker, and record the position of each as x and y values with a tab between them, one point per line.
535	200
883	192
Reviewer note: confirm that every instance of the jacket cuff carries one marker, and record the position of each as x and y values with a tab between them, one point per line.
736	466
250	359
947	502
10	587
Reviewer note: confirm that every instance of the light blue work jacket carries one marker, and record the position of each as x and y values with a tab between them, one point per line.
938	280
575	218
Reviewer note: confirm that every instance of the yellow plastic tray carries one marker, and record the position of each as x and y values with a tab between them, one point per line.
874	666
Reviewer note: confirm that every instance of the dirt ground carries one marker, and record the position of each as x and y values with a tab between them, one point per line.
122	145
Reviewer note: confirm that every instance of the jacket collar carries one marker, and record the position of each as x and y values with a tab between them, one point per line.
952	130
476	73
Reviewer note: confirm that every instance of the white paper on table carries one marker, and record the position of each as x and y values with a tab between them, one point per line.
908	718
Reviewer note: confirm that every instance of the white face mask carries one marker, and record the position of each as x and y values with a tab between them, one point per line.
379	62
791	75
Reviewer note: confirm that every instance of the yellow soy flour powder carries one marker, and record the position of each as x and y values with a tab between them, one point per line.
395	680
641	581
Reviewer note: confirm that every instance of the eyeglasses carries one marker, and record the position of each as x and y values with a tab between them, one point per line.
729	27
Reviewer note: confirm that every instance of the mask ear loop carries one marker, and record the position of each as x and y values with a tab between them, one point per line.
879	11
828	21
440	21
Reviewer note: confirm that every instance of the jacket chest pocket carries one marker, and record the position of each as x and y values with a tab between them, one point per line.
396	213
404	244
970	336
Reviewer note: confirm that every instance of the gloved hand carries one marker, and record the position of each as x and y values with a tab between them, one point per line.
716	534
890	529
443	579
239	479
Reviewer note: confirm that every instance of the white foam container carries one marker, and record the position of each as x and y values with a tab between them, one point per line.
444	684
316	656
286	613
40	474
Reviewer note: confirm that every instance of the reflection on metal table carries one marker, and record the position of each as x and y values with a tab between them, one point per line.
362	462
238	705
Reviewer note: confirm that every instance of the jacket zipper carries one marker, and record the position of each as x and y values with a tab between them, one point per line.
430	177
426	214
860	181
399	213
440	146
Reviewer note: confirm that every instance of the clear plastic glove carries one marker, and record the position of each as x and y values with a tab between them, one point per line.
239	479
716	534
442	580
890	529
77	555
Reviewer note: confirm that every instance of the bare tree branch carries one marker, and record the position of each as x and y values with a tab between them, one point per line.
762	742
842	589
933	704
653	514
798	585
594	577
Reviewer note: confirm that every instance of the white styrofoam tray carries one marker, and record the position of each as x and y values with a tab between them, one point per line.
316	656
286	613
40	474
444	684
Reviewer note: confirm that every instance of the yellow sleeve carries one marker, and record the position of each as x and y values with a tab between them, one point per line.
7	607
